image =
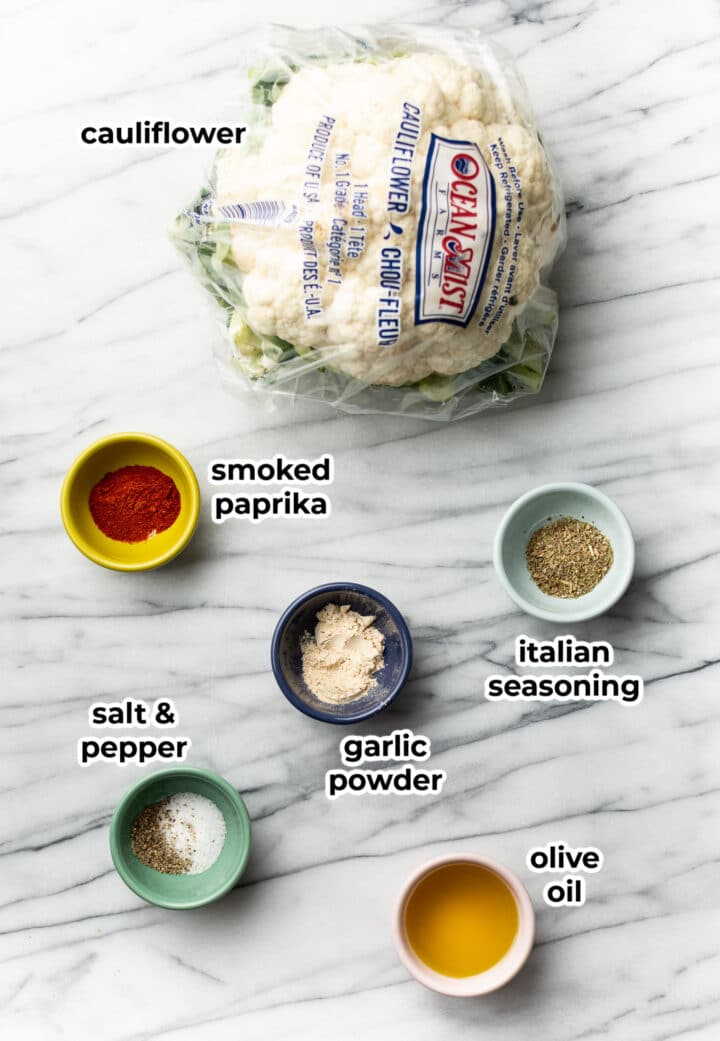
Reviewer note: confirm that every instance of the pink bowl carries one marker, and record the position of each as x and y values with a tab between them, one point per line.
484	982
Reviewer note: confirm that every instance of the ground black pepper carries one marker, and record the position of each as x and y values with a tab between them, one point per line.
150	845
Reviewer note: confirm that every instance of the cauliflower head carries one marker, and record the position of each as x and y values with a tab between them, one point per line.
366	100
298	222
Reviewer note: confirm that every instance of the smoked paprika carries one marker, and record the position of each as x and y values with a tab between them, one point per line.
134	502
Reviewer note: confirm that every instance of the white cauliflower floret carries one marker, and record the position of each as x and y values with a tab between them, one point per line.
366	101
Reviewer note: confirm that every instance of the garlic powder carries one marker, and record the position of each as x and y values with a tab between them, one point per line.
341	658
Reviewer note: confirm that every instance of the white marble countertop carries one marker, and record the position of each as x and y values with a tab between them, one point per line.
104	330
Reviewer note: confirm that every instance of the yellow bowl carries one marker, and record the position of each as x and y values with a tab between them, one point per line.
112	453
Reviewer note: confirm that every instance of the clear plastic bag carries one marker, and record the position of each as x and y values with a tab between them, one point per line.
382	239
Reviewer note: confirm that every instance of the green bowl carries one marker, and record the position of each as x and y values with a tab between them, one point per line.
548	503
180	892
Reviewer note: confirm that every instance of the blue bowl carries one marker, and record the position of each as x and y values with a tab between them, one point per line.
300	618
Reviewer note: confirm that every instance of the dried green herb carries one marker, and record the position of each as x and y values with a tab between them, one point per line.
568	557
149	842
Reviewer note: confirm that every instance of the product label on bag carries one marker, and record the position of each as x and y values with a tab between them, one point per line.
462	265
455	234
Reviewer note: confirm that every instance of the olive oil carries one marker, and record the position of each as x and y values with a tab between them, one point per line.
461	919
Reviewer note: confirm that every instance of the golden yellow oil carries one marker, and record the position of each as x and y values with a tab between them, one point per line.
461	919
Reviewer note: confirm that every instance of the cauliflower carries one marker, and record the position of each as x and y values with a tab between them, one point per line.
405	213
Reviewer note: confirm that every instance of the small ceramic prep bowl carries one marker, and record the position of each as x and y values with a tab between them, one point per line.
483	982
538	508
112	453
181	892
300	618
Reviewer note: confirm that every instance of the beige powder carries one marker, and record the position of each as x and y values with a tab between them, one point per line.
341	657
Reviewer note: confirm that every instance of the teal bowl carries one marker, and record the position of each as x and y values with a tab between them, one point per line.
539	507
181	892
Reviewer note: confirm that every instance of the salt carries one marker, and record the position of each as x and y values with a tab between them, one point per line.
195	828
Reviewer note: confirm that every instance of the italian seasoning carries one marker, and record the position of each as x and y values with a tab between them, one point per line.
568	557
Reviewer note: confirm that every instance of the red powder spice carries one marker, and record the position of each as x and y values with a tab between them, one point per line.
135	502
